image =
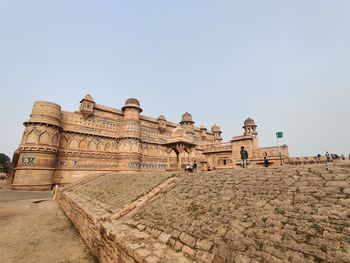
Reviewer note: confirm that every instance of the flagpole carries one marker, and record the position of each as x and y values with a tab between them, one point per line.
278	147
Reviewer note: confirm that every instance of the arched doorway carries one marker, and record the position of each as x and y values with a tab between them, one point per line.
179	148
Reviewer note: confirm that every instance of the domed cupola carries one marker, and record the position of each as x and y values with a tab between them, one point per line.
132	109
132	103
161	117
250	127
248	122
215	129
186	119
187	123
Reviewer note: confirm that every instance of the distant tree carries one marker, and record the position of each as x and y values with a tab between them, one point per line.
5	163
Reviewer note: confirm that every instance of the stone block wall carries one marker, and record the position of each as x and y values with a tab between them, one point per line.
285	214
85	217
83	203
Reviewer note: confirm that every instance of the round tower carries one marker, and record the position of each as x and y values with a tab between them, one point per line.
39	148
217	134
130	141
187	123
250	127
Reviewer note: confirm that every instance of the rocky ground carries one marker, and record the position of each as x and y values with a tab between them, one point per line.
36	230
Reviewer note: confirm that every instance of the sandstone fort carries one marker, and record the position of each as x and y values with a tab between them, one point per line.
122	184
58	147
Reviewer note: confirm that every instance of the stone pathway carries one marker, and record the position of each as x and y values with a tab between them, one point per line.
34	229
115	189
295	214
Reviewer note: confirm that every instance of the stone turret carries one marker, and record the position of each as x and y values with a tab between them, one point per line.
38	148
130	141
250	127
186	119
87	106
203	132
217	134
161	123
132	109
187	123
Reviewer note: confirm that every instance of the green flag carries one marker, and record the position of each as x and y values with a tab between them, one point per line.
279	135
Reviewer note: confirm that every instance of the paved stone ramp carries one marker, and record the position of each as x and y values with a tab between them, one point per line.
96	199
118	190
287	214
274	215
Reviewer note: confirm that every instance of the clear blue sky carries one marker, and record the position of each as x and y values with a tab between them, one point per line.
283	63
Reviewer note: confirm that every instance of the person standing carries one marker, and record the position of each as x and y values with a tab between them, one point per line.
328	157
194	166
266	162
244	157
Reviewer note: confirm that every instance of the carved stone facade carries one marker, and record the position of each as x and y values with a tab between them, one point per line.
58	147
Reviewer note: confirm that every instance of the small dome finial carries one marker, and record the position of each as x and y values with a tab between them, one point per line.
215	128
202	128
249	121
161	117
186	118
132	103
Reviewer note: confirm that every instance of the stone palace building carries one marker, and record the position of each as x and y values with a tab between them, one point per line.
59	147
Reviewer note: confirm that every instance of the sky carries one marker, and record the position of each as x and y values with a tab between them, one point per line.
284	64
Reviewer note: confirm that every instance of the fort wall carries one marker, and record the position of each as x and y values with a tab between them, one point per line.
58	146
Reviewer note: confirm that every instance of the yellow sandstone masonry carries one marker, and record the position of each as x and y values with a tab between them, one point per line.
59	147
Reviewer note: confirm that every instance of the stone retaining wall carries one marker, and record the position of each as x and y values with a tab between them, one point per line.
287	214
88	213
85	217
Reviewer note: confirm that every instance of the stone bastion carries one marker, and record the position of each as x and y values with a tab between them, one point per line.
283	214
